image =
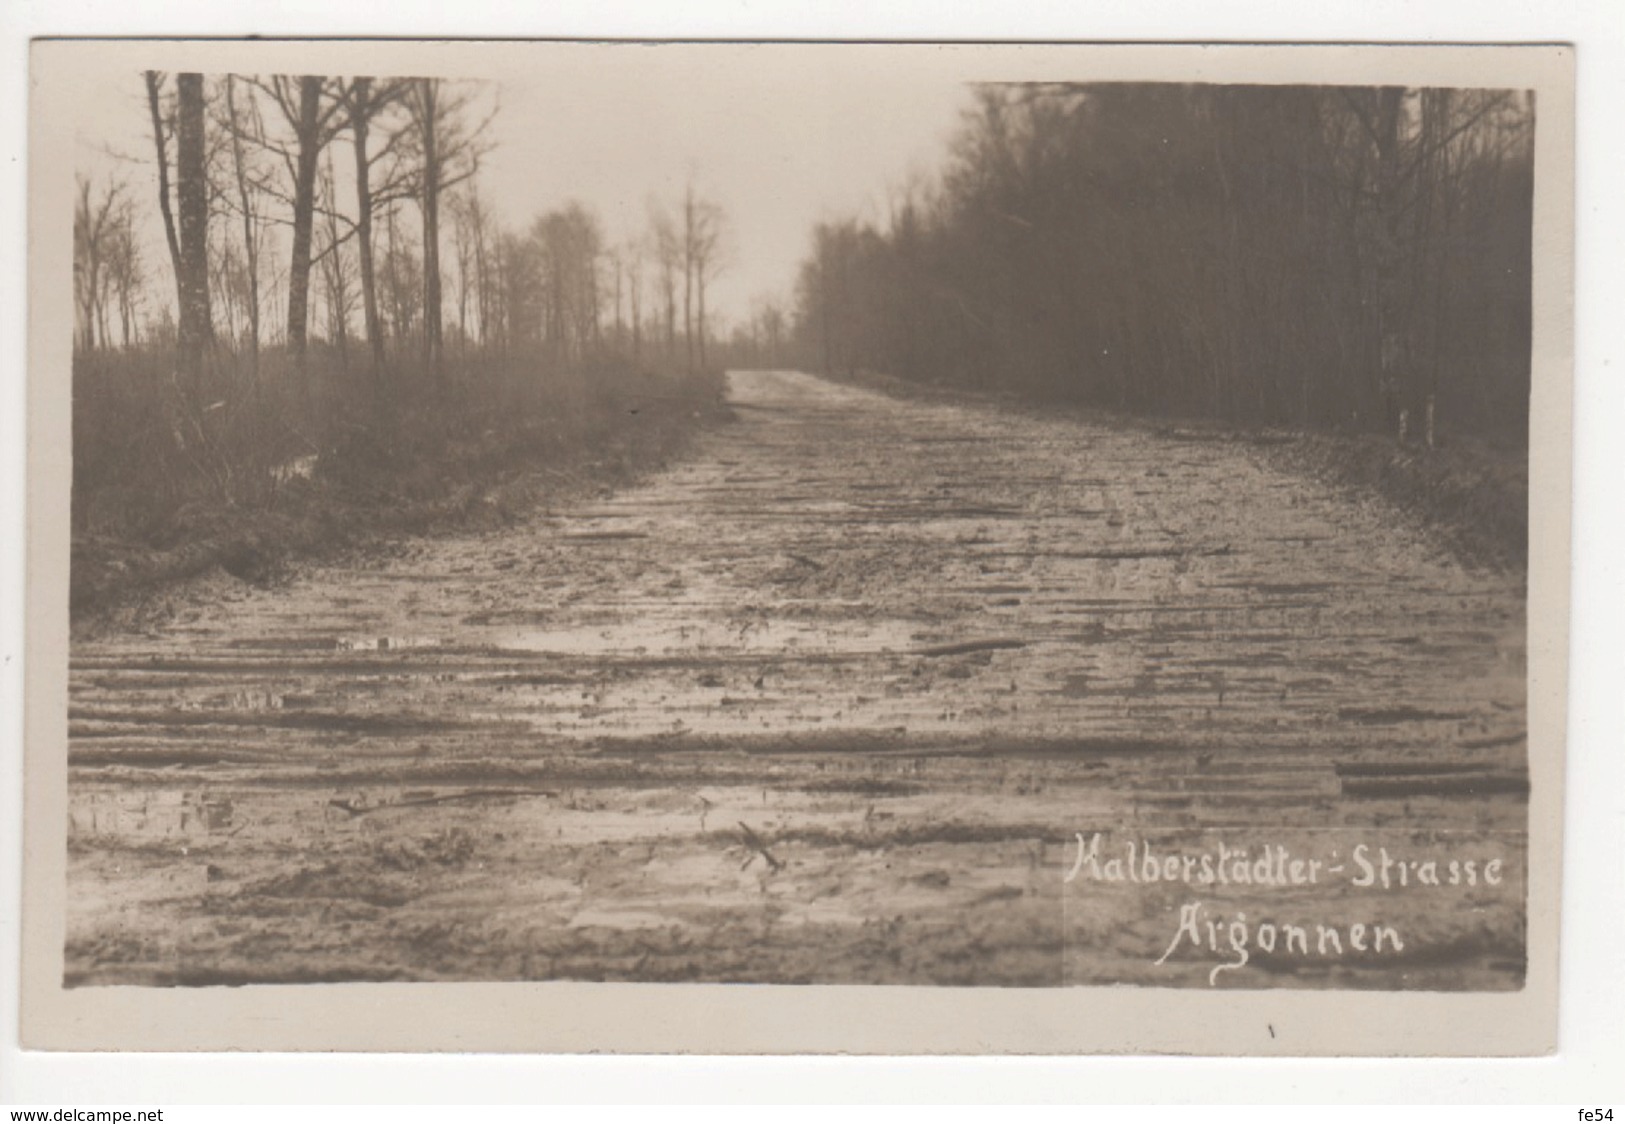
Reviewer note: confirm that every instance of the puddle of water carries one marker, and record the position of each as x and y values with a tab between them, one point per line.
621	919
822	913
165	813
280	644
1076	687
247	698
383	643
697	637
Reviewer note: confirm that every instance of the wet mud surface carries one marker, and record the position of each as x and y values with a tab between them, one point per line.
840	698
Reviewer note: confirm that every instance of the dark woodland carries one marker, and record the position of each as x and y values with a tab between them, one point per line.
1316	257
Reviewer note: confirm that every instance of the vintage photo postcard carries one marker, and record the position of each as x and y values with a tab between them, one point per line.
789	547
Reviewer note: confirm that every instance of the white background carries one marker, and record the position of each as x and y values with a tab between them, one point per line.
1590	1067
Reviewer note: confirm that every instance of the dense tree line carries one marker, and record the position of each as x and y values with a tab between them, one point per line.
334	266
250	200
1354	258
260	215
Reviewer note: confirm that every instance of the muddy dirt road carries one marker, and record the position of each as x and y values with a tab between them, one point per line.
841	698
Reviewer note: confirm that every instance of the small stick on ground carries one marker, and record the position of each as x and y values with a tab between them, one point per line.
970	646
475	794
754	842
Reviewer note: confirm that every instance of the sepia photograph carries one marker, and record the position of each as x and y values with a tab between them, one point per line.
1004	521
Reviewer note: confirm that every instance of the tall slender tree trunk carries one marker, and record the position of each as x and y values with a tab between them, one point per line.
397	315
700	324
1438	105
360	115
594	322
428	92
671	323
462	303
250	242
1392	344
825	316
154	80
304	214
192	195
688	315
338	285
482	279
637	319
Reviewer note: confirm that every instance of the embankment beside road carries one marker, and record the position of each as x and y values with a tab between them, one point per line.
1472	494
630	423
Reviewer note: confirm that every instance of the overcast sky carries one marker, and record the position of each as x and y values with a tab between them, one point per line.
781	138
778	147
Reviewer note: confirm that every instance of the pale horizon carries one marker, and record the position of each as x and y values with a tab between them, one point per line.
621	130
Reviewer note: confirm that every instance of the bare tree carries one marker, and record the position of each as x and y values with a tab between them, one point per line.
402	281
96	220
187	239
160	135
338	291
124	272
463	240
613	254
477	230
192	198
769	326
448	148
310	110
689	238
702	245
668	247
245	202
569	242
633	255
520	291
1316	256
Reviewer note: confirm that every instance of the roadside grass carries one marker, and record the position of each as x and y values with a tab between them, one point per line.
1472	492
246	473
